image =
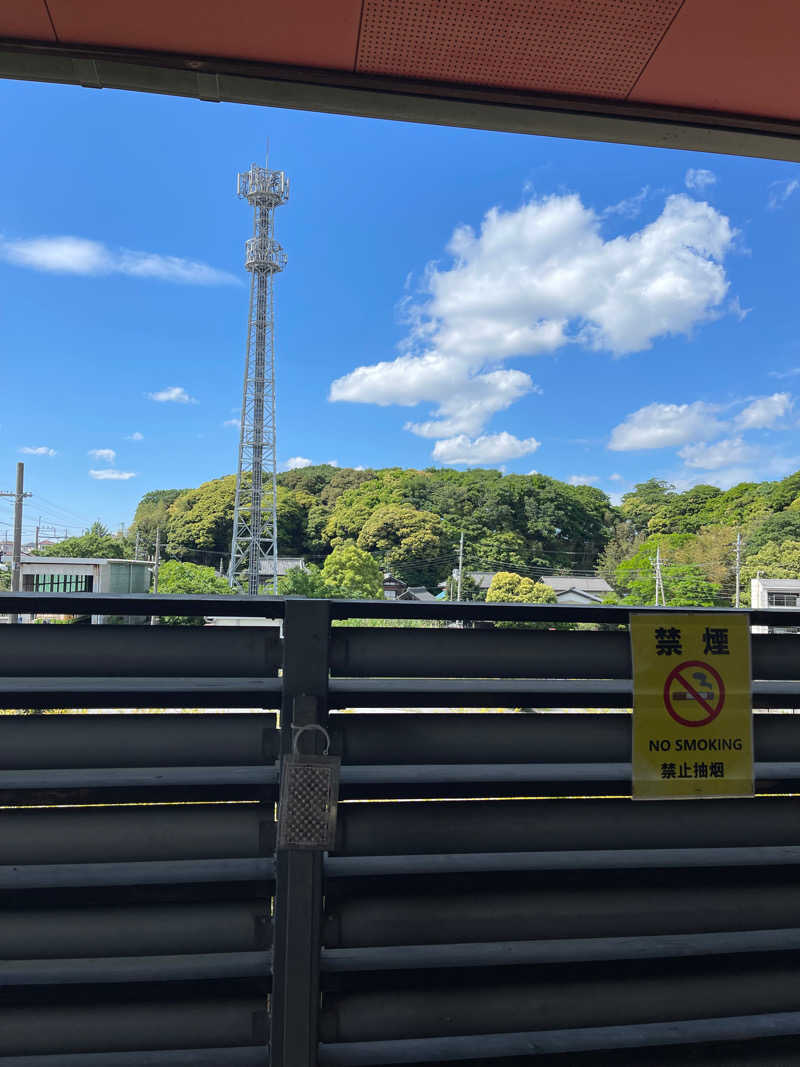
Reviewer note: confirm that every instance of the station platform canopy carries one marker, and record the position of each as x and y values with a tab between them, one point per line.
708	75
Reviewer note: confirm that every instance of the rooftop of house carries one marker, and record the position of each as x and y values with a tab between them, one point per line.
582	593
285	563
417	592
78	561
563	582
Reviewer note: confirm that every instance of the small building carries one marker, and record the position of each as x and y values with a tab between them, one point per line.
575	590
417	592
71	574
393	588
482	579
776	593
285	564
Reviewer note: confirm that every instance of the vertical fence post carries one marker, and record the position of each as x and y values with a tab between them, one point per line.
298	875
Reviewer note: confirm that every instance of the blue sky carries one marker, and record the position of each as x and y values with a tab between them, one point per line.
452	297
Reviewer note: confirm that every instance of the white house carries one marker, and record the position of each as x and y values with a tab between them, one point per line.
775	593
73	574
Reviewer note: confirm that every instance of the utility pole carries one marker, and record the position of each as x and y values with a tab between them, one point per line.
136	547
738	562
16	553
154	618
460	564
659	579
38	527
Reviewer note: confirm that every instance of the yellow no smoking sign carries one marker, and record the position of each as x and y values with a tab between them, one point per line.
692	709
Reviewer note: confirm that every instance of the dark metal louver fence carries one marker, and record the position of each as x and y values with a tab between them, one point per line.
493	895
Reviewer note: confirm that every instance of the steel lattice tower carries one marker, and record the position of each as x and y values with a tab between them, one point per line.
255	521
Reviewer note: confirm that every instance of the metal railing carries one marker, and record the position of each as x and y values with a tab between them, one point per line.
493	893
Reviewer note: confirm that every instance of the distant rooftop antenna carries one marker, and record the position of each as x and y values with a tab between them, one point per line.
254	549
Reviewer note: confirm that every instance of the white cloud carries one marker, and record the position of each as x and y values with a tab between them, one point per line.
768	465
107	455
583	479
296	462
136	436
615	477
331	462
491	448
699	179
235	423
534	280
78	255
172	394
630	207
724	453
734	307
791	373
111	475
764	411
779	192
39	450
665	426
468	409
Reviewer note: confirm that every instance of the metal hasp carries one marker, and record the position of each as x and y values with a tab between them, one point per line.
255	522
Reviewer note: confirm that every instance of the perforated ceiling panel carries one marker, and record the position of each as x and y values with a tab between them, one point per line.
581	47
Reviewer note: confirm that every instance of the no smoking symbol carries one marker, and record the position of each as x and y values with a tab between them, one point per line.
698	685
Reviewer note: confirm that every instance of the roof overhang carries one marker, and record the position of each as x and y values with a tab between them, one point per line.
705	75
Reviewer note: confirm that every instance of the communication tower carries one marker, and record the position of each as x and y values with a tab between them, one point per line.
255	521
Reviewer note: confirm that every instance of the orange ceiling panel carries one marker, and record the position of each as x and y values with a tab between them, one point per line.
728	55
314	33
26	21
583	47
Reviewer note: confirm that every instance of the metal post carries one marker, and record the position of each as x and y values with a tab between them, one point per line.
738	563
154	618
460	564
298	882
16	555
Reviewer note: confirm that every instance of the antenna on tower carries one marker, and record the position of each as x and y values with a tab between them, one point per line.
254	548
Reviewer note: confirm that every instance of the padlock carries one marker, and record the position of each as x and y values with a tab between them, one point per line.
309	795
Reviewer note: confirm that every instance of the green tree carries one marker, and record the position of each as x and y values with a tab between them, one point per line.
411	544
152	513
686	512
623	543
509	588
644	500
303	581
5	577
502	549
352	573
470	590
201	523
96	543
777	528
685	583
176	578
774	560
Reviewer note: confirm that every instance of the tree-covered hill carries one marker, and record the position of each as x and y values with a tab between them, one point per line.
410	521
